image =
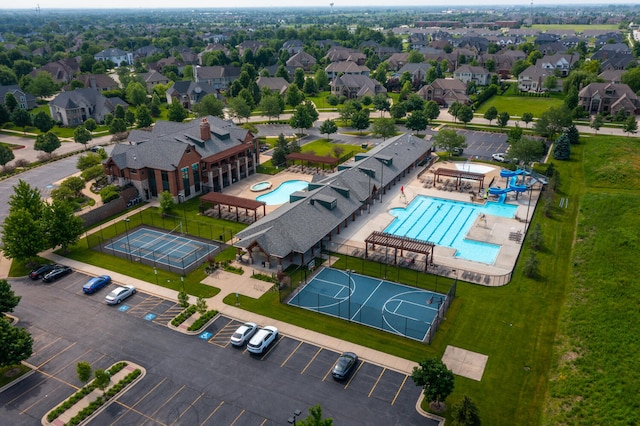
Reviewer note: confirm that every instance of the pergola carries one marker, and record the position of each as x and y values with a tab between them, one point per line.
218	199
458	175
400	243
311	158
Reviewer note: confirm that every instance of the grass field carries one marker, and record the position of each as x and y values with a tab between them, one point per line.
578	28
517	105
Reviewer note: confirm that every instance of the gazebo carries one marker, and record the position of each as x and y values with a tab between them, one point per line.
219	200
400	243
311	158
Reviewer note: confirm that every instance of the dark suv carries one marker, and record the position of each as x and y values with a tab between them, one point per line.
41	271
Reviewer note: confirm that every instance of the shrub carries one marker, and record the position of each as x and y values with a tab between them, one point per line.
182	316
200	322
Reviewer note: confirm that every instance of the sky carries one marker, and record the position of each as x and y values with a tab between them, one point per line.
162	4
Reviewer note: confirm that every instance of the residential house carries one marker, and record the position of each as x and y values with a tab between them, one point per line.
418	71
165	62
608	98
74	107
355	86
533	78
397	61
301	60
145	51
115	55
249	45
343	54
188	93
292	46
560	63
100	82
215	47
345	67
619	61
276	84
25	100
187	55
186	159
552	48
476	74
152	79
445	91
218	77
62	71
612	76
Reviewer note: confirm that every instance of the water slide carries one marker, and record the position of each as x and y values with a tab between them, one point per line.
512	184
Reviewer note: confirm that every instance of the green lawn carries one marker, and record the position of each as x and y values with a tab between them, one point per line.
578	28
517	105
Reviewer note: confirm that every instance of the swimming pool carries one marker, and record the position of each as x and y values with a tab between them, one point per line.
474	168
446	223
261	186
280	195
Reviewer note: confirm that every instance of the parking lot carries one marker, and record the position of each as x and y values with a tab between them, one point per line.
483	144
199	379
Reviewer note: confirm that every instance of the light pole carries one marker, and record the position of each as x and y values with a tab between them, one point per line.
184	209
292	420
349	295
126	229
155	272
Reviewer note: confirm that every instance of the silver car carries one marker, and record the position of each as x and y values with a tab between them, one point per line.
119	294
244	333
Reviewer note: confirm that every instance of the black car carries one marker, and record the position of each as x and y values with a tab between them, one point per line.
41	271
344	366
59	272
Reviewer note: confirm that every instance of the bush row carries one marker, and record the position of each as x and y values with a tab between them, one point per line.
197	324
182	316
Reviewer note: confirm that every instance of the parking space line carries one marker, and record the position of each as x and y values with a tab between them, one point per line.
326	375
354	375
272	347
236	419
212	413
46	346
133	410
399	389
291	354
263	422
188	408
169	314
167	401
224	334
309	363
71	362
377	381
47	376
39	400
64	350
151	390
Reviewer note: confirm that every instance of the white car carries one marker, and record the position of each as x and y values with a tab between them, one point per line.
500	156
119	294
244	333
262	339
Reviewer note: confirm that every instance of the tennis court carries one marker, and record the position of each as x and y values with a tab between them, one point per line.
381	304
161	248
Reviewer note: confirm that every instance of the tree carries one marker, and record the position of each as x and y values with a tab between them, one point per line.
102	379
304	116
631	78
6	155
22	235
271	106
183	299
417	121
573	135
550	83
381	103
42	85
435	378
630	125
562	148
209	105
7	76
239	108
298	77
553	121
503	119
43	121
531	266
449	140
17	344
310	87
360	120
75	183
415	57
5	115
397	111
454	109
21	118
177	112
328	127
143	117
63	227
129	118
315	418
90	124
118	125
82	135
10	101
322	80
385	127
491	114
431	110
465	114
294	96
8	299
119	111
536	238
83	369
166	202
201	305
465	413
527	117
48	143
527	150
596	122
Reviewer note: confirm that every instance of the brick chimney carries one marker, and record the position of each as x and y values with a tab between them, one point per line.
205	130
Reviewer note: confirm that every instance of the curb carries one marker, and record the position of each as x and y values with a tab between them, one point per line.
21	378
195	332
426	414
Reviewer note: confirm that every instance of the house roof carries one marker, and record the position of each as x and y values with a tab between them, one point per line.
110	53
608	90
217	72
364	84
310	215
275	84
98	81
347	67
163	146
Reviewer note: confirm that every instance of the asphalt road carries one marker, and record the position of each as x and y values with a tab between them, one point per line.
190	379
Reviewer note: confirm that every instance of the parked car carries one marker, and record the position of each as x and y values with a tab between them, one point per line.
244	333
262	339
41	271
119	294
58	272
500	156
96	283
457	151
344	366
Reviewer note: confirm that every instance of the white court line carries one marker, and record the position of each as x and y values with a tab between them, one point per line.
365	302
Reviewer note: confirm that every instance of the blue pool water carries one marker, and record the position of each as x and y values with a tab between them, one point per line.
446	223
280	195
